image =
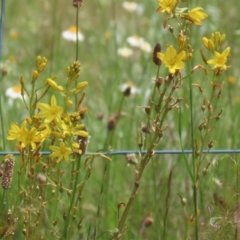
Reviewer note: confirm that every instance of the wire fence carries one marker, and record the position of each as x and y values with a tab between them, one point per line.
157	152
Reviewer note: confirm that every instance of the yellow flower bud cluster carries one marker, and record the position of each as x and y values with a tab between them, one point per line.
215	42
41	63
73	72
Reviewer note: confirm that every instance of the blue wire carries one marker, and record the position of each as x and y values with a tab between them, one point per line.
157	152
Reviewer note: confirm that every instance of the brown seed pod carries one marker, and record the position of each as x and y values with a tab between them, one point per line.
9	161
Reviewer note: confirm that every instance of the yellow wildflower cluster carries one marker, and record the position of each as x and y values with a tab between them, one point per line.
174	59
214	44
51	121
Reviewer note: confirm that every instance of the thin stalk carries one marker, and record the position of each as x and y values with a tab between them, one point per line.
1	44
76	50
194	178
106	172
143	164
77	16
66	225
54	7
167	205
2	123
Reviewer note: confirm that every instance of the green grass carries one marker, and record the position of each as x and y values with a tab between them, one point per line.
39	25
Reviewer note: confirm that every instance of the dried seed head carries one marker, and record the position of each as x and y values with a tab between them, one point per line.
146	129
112	122
157	49
77	3
9	161
147	110
41	178
100	116
83	143
131	159
148	221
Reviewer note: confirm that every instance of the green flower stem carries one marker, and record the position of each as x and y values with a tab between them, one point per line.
160	118
66	225
76	57
2	123
32	95
194	177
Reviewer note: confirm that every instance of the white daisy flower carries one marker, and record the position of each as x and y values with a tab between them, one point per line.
14	92
135	41
125	52
129	88
130	6
70	34
146	47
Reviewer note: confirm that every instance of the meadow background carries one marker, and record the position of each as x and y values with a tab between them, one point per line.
34	28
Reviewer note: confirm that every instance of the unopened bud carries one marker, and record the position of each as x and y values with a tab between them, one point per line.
112	122
210	145
69	103
146	129
41	67
54	85
183	201
157	49
147	110
204	171
80	87
34	76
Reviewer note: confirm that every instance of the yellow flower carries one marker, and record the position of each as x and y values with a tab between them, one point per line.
44	130
15	132
166	6
61	152
50	112
31	137
195	16
70	129
220	59
171	59
215	42
24	136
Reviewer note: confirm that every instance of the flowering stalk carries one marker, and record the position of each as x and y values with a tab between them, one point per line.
174	59
163	106
49	123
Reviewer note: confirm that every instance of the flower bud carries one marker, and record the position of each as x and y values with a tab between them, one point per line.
157	49
54	85
34	76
